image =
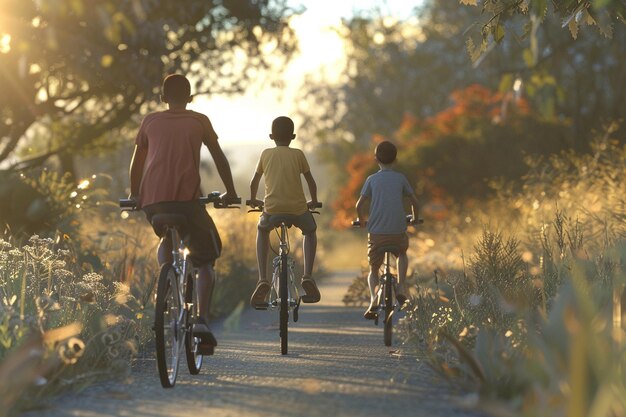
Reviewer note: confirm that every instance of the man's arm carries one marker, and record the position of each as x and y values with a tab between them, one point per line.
223	168
136	170
312	188
360	209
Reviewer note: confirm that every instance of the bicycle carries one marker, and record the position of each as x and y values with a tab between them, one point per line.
385	300
176	307
284	294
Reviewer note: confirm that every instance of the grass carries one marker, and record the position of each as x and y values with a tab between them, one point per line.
527	311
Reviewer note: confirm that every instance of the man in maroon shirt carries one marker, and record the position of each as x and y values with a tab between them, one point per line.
165	178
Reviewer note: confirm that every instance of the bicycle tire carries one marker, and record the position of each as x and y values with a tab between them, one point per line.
194	360
167	311
388	323
284	304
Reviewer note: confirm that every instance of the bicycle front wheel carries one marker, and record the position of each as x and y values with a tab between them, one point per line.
388	323
166	327
194	359
284	304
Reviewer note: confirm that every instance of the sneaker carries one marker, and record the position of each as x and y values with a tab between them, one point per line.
401	299
311	292
258	299
372	312
207	343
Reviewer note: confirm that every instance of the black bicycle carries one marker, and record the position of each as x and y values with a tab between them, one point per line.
284	294
176	307
385	296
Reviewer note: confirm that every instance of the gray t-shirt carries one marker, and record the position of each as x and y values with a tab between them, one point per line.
386	190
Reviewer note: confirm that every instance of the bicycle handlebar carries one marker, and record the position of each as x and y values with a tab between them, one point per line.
409	220
259	207
129	204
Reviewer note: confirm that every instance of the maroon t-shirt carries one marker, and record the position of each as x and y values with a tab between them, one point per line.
173	139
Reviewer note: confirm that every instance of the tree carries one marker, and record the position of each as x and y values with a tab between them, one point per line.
72	71
411	67
573	13
451	156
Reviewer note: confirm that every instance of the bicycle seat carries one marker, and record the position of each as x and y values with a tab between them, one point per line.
389	248
160	221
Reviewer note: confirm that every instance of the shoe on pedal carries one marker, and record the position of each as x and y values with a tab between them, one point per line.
371	313
401	299
258	300
207	342
311	292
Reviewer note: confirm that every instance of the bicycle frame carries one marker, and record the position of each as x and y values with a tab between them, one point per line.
180	264
387	278
277	263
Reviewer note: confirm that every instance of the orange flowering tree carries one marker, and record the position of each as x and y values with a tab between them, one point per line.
451	156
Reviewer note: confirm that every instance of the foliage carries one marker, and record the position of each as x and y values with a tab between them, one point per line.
573	14
454	153
45	291
46	202
73	72
533	320
398	71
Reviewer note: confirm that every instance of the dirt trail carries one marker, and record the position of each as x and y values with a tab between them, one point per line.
337	366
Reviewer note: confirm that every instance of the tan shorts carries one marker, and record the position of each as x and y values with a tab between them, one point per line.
305	221
376	245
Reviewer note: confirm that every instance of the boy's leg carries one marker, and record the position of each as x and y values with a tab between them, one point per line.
312	293
262	248
372	282
309	246
206	283
402	264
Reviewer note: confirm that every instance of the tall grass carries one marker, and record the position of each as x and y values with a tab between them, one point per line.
524	306
43	288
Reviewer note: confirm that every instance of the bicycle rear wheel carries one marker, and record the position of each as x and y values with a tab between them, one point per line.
388	323
194	359
166	327
284	304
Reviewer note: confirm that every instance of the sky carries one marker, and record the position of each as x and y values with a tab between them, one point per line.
320	49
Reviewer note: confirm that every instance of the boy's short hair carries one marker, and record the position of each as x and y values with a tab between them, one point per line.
282	128
386	152
176	88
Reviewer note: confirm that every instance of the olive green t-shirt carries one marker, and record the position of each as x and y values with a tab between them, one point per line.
282	167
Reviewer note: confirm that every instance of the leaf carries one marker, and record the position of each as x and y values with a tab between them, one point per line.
498	32
469	2
506	83
573	28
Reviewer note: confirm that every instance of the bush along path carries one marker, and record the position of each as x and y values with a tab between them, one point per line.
337	365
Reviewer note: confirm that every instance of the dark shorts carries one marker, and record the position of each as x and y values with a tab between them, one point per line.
375	242
305	221
205	245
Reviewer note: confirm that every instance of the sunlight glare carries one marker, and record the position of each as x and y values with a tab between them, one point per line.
5	43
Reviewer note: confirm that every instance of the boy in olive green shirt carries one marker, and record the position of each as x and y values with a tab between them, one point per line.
282	167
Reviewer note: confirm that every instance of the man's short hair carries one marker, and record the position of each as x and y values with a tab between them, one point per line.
282	128
386	152
176	88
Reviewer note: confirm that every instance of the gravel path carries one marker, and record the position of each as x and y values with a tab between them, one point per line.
337	366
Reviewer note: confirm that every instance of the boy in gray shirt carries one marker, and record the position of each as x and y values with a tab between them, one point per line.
386	223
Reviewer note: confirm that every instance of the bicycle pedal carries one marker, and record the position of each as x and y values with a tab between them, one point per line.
261	306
